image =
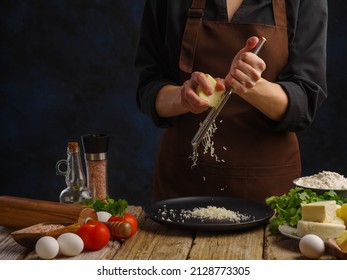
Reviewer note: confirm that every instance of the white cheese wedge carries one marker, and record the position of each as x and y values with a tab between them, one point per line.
321	211
323	230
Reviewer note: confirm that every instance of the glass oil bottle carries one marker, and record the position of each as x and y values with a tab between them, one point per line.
75	179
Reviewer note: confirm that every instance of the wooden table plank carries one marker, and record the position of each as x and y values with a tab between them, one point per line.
238	245
4	233
10	250
154	241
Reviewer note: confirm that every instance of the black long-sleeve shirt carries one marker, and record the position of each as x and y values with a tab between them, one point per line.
303	78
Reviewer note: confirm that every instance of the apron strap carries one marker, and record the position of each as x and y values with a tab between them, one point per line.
280	14
194	19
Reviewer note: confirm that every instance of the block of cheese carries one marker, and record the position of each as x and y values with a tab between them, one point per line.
214	99
323	230
321	211
341	241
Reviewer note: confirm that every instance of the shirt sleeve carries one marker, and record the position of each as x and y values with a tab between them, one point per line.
304	77
151	61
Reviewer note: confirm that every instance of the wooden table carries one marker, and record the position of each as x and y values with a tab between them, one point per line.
155	241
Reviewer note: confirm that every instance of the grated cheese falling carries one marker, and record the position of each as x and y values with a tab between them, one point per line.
208	145
207	141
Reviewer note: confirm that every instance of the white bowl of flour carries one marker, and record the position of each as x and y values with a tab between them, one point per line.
324	181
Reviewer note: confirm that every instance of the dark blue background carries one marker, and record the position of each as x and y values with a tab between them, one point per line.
67	70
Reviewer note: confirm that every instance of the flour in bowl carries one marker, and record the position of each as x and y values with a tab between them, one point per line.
324	180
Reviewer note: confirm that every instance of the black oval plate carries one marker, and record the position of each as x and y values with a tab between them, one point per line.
259	213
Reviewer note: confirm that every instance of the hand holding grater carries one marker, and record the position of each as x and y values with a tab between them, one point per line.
214	112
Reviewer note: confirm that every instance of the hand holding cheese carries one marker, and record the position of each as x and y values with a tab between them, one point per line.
214	99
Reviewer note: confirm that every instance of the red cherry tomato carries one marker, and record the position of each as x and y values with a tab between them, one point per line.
129	218
95	235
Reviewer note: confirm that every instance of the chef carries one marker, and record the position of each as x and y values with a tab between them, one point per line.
275	93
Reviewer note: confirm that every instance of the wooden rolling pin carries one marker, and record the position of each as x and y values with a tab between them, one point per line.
18	212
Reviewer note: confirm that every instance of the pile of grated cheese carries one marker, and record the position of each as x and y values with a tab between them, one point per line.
202	213
324	180
217	213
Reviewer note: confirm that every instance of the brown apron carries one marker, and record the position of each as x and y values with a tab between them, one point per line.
254	162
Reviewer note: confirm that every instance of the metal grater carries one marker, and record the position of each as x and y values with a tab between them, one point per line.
214	112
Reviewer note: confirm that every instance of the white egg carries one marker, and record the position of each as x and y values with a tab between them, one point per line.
47	247
70	244
312	246
103	216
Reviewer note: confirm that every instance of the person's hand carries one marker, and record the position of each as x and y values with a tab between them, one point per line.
189	97
246	68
